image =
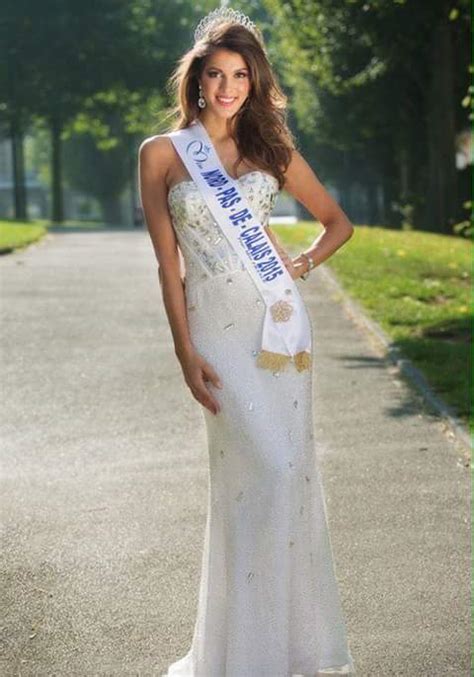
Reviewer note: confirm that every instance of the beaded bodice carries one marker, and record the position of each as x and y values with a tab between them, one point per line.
206	251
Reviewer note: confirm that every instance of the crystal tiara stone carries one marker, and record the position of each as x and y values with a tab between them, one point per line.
221	15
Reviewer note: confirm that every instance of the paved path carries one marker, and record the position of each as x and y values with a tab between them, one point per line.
104	479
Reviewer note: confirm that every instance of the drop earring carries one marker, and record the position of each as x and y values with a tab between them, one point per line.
201	100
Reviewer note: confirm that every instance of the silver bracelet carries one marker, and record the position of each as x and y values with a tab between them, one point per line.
311	265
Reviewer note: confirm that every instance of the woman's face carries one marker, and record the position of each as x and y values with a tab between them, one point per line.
225	83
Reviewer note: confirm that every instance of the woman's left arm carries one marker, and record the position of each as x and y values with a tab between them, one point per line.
302	183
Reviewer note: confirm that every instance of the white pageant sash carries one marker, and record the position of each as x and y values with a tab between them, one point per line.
286	329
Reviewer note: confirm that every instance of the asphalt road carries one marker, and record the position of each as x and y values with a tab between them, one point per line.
104	478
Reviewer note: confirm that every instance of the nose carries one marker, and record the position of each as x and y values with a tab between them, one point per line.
224	87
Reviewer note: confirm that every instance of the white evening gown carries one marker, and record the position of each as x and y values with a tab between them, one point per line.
269	604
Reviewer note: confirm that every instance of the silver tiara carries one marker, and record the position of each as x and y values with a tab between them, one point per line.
221	15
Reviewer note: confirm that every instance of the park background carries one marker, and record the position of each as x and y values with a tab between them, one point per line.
103	462
379	99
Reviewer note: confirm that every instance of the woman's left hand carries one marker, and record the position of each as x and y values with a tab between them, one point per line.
294	271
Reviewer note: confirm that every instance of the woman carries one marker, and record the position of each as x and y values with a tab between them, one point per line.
269	604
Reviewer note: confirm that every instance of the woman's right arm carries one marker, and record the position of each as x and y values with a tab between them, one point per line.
154	157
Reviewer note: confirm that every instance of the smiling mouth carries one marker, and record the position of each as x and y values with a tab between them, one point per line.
225	101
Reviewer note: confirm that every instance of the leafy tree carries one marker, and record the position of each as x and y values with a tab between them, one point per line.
60	53
81	68
381	81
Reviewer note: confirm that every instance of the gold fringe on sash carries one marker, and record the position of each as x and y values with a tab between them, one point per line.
274	361
302	360
268	360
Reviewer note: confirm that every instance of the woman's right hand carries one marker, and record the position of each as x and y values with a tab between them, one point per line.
197	371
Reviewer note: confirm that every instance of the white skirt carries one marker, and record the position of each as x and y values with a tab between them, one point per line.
269	604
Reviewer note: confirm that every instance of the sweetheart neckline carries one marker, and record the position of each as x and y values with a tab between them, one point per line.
254	171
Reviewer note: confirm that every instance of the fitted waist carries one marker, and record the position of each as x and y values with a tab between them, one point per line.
224	291
195	277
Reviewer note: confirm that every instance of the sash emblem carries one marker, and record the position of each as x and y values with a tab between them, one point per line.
281	311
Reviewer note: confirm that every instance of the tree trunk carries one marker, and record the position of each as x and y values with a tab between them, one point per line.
390	217
56	167
16	135
131	146
440	213
372	202
18	165
412	174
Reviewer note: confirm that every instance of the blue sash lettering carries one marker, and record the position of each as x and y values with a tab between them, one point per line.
214	178
260	251
268	266
227	197
242	216
271	277
250	233
252	238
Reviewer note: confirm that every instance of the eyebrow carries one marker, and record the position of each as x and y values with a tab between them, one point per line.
244	68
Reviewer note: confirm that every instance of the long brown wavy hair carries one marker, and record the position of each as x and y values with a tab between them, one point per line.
260	129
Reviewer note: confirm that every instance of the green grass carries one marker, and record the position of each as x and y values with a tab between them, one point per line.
14	234
416	285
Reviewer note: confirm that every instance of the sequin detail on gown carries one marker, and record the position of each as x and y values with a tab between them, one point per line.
205	249
269	603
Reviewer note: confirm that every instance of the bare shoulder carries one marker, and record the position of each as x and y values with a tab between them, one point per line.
156	154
